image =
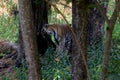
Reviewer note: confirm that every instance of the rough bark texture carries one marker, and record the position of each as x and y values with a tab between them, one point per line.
21	52
79	11
29	39
40	18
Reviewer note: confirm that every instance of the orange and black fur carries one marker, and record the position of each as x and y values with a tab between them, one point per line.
62	35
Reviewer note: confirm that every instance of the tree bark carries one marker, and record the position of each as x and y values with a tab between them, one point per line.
106	54
110	27
40	18
29	39
96	21
20	52
95	26
79	10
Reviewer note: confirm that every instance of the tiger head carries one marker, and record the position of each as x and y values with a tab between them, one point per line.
51	30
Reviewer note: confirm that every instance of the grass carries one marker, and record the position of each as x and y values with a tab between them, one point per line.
8	28
56	66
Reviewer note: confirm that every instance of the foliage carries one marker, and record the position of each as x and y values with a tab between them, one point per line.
8	23
21	73
52	18
114	64
8	77
8	28
116	31
55	17
95	53
55	65
1	55
67	1
5	7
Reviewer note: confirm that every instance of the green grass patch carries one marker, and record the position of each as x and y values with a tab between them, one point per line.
8	28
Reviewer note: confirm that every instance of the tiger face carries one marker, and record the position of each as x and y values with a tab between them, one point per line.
60	35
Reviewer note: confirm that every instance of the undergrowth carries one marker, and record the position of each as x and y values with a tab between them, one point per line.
56	66
8	28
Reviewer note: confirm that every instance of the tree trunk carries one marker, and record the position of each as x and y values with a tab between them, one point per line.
95	25
107	49
106	53
29	39
20	52
79	10
40	19
110	27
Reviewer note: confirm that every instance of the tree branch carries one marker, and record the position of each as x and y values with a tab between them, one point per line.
115	13
65	5
50	3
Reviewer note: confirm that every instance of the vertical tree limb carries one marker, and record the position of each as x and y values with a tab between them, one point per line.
80	69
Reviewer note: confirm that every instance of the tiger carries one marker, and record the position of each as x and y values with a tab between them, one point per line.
60	35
